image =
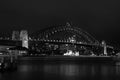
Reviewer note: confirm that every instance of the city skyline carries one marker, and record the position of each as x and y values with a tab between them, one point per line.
99	18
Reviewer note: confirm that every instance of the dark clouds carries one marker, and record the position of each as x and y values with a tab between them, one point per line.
101	18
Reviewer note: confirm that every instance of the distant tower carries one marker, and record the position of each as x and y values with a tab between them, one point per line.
105	47
24	38
15	35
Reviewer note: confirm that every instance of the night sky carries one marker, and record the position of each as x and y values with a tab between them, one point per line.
100	18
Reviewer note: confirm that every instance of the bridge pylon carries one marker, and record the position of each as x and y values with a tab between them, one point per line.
104	47
24	38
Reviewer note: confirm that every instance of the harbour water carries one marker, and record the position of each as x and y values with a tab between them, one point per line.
37	70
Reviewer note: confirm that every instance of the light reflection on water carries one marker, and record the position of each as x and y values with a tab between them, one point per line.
64	71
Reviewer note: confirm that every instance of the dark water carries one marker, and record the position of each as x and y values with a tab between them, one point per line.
36	70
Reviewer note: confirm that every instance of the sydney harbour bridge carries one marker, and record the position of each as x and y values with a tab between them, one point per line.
59	39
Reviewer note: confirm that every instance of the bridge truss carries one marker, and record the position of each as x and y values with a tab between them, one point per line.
64	33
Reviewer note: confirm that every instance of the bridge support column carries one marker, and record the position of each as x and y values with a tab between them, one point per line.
24	38
104	47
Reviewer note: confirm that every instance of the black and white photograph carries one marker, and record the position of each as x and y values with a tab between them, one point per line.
59	40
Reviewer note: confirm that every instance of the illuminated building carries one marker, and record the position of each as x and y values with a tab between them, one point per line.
24	38
71	53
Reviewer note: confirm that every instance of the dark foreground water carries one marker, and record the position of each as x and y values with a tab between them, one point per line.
36	70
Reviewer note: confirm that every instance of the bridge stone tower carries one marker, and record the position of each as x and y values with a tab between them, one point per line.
104	47
15	35
24	38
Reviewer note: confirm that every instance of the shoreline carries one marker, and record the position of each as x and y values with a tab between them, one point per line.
70	58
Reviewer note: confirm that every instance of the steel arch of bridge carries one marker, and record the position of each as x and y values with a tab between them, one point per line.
46	34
